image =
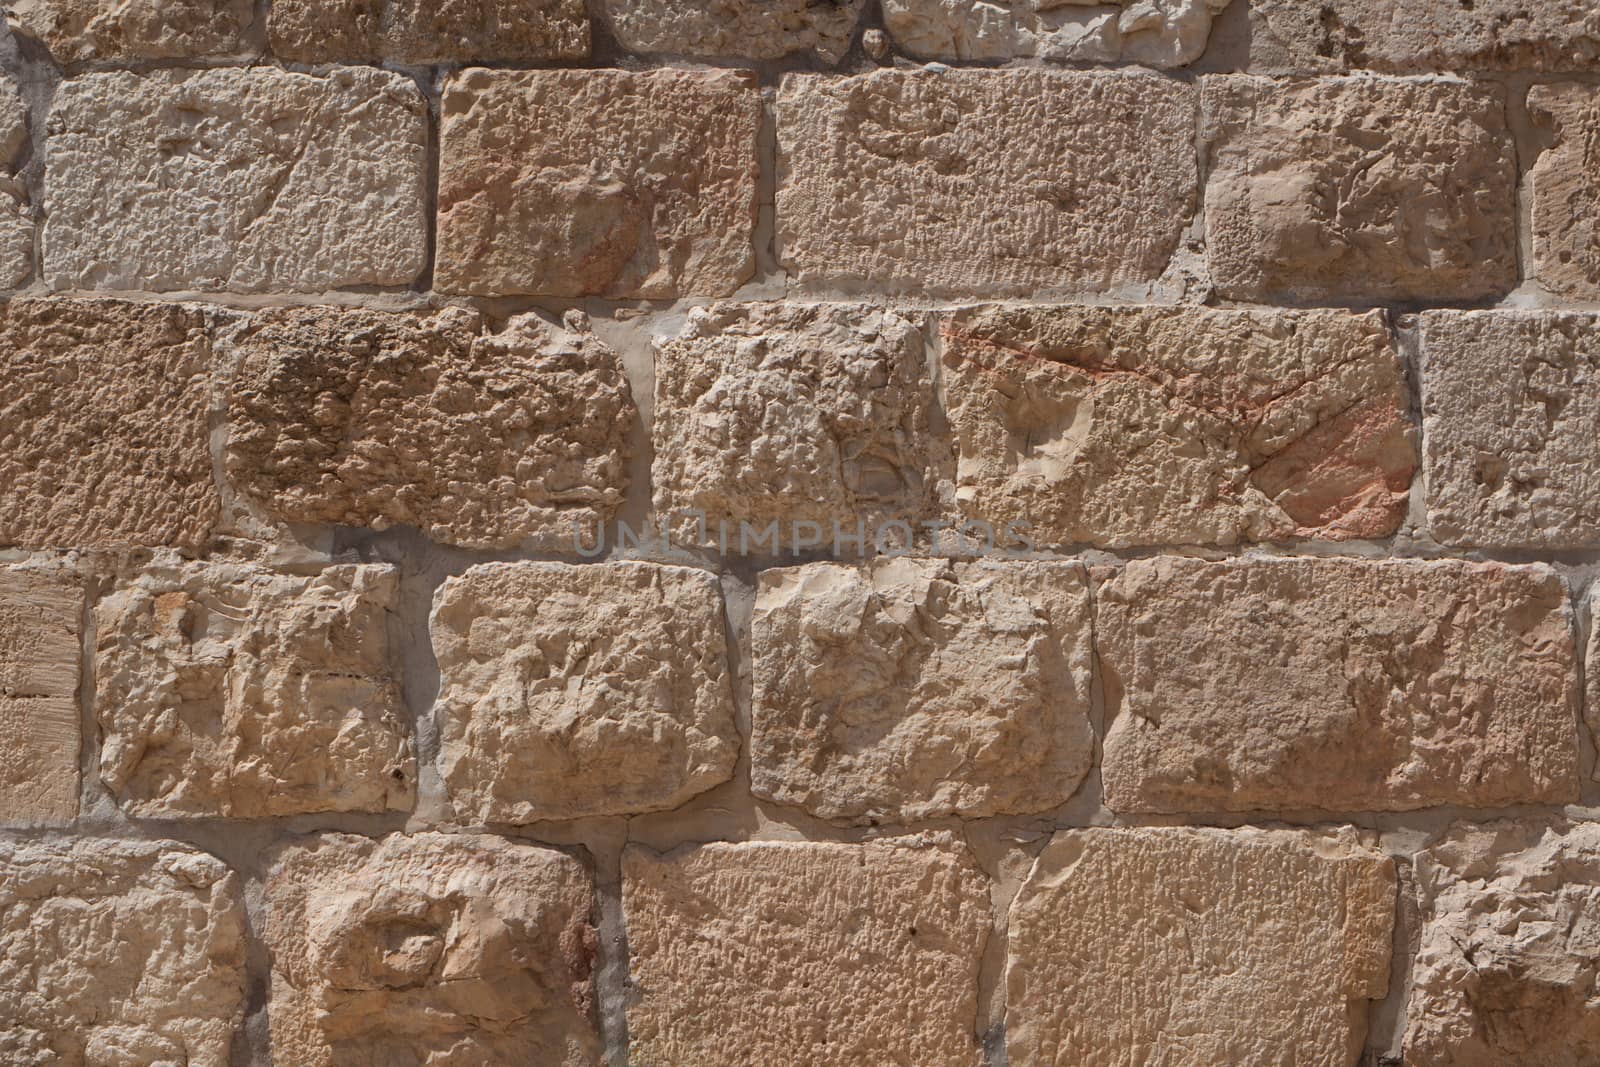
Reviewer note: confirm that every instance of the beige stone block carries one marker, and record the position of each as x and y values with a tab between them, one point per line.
430	949
411	31
911	689
16	218
576	690
969	183
118	953
1358	190
799	952
40	651
607	183
246	180
1198	946
1564	185
749	29
1155	33
1336	684
228	691
77	31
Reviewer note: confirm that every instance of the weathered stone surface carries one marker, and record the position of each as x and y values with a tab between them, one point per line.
794	413
983	183
1198	946
118	954
76	31
568	691
917	688
1565	188
412	31
598	183
1296	37
244	180
16	221
1336	684
103	425
225	690
1352	190
800	952
752	29
39	654
430	949
1156	33
486	440
1504	972
1137	426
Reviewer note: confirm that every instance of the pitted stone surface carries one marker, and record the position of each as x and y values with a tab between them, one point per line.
76	31
750	29
16	220
1137	426
1155	33
118	954
430	949
604	183
911	689
799	952
1336	684
1360	189
104	425
1565	189
794	413
413	31
224	690
40	650
570	690
983	182
1197	946
485	440
245	180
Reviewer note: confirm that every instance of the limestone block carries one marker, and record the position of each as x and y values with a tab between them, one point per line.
411	31
1564	185
750	29
1156	33
77	31
16	218
40	650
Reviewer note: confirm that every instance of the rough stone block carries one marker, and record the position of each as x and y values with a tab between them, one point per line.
247	180
912	689
1336	684
1359	190
1564	185
40	649
607	183
750	29
1155	33
485	440
575	690
983	182
411	31
16	219
118	954
1140	426
77	31
430	949
104	435
1198	946
799	952
224	690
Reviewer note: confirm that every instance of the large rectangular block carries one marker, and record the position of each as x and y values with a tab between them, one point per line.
606	183
1155	33
798	952
1336	684
412	31
983	182
40	651
104	433
246	180
228	691
1197	946
1140	426
76	31
1358	190
749	29
912	689
1564	186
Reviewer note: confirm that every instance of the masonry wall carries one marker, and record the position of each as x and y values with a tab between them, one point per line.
798	532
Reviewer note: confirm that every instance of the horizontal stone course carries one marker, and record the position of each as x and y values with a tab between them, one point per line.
750	29
1155	33
411	31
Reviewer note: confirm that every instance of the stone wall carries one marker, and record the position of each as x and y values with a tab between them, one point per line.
665	533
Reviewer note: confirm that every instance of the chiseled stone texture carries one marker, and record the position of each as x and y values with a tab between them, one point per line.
415	31
1564	185
794	413
575	690
1336	684
1505	968
40	649
430	949
606	183
225	690
1178	425
752	29
1359	189
911	689
983	182
1156	33
484	440
1198	946
118	954
16	220
77	31
104	425
246	180
805	952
